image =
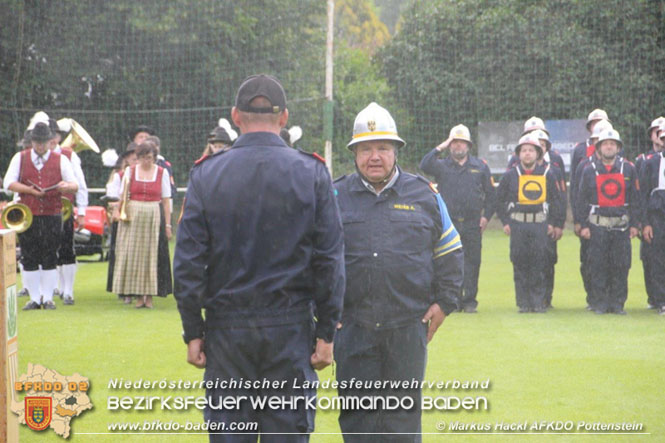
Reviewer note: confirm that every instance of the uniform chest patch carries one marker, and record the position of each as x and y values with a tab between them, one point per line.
532	190
611	190
404	207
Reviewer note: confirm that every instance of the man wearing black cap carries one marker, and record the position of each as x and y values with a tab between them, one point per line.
40	176
260	248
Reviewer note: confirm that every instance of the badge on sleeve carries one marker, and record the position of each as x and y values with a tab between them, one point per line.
532	190
611	190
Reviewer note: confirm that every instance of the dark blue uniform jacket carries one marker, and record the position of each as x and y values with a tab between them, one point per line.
402	252
652	183
260	240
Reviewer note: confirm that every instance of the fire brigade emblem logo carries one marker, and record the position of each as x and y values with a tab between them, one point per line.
371	125
38	412
532	190
611	189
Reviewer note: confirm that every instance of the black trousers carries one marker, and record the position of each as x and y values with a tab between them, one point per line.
657	261
66	255
279	353
469	231
646	254
528	252
40	242
584	269
551	258
609	263
366	354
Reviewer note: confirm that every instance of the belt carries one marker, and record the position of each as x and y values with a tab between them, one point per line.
529	217
618	223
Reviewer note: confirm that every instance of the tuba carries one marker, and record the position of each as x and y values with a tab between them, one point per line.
78	139
67	208
17	217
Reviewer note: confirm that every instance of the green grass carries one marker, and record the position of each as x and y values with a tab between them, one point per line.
568	364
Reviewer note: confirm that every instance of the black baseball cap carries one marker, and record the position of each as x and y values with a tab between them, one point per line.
261	85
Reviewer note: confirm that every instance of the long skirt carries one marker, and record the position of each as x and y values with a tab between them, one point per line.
142	263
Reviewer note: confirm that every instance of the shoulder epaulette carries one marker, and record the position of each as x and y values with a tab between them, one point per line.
313	154
430	184
203	158
483	160
649	156
339	178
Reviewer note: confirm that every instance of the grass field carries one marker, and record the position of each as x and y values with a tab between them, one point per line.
568	364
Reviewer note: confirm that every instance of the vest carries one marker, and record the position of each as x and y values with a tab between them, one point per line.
145	191
48	176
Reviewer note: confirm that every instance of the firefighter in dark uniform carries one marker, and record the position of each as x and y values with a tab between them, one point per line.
586	148
466	185
575	178
608	202
529	206
640	161
652	181
404	266
40	177
260	248
551	156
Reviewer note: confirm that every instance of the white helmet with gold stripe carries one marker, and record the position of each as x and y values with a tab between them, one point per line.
460	132
534	123
374	123
609	134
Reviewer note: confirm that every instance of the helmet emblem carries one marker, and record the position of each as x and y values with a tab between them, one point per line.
371	125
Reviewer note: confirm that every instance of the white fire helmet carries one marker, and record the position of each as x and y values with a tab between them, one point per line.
609	134
374	123
601	126
533	124
596	114
529	139
39	117
656	124
460	132
543	135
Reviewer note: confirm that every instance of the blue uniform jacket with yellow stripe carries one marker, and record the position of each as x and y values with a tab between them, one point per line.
402	252
260	240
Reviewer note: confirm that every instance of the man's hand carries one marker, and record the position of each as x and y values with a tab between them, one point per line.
36	192
80	220
195	354
67	187
323	354
550	232
506	230
444	145
577	229
633	232
483	224
435	317
647	233
558	233
585	233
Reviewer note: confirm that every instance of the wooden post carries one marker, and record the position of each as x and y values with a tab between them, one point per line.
8	336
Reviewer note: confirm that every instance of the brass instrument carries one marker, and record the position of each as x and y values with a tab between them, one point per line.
17	217
67	208
78	139
124	198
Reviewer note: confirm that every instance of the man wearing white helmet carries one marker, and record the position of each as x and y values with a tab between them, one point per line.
652	180
609	209
466	185
575	178
586	148
404	265
529	206
656	147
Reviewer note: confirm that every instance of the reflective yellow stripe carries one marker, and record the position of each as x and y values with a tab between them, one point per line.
363	134
447	232
446	252
450	243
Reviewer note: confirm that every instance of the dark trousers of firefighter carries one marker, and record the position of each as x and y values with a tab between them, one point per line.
277	353
645	255
656	259
39	244
584	269
365	354
469	231
551	258
528	249
66	255
609	262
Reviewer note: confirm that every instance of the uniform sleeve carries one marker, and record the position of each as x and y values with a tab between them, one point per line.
189	263
448	262
575	183
430	164
66	170
557	210
583	198
166	184
646	186
502	199
13	171
113	187
82	193
636	205
327	258
490	193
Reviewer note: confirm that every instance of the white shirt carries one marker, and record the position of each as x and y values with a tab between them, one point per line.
14	169
82	193
389	185
166	181
113	187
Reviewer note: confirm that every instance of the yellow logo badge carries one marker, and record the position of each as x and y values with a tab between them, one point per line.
532	190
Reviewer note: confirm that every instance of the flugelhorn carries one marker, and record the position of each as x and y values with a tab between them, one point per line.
67	208
124	198
17	217
78	138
